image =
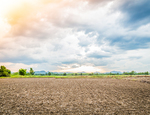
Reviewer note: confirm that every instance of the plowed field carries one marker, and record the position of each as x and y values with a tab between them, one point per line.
74	96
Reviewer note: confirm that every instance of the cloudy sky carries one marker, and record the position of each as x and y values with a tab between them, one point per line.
75	35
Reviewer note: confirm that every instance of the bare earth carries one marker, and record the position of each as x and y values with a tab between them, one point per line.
74	96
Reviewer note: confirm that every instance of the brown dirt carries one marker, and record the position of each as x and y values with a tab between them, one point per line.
144	79
74	96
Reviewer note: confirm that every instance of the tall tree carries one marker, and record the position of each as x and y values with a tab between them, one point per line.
64	74
49	73
146	73
31	71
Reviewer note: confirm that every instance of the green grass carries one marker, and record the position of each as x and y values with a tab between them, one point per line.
72	76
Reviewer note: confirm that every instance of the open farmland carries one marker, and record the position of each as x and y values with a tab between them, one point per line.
74	96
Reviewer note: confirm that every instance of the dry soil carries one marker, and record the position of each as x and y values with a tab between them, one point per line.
33	96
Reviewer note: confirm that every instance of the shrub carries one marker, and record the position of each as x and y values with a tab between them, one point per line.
4	72
22	71
16	73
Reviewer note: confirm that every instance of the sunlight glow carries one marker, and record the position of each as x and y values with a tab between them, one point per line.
14	10
6	5
84	68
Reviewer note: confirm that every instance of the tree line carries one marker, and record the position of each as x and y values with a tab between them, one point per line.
4	72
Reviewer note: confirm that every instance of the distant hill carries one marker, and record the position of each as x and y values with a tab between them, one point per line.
115	72
40	72
44	72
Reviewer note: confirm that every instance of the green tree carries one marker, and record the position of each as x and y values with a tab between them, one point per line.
49	73
22	71
64	74
31	71
90	73
9	72
125	73
4	72
132	73
146	73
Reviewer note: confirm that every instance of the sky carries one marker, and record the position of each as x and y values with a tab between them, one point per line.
75	35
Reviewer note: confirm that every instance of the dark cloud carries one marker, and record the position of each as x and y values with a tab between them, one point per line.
84	44
101	64
130	42
136	12
135	57
97	55
71	61
74	66
96	3
21	59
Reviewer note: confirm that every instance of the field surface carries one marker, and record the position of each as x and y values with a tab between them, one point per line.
33	96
